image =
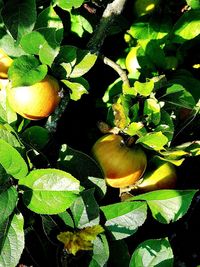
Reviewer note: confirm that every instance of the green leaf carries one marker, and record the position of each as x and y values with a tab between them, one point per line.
187	27
153	252
19	17
85	210
65	61
194	4
9	45
144	89
79	24
11	241
77	86
85	61
193	148
26	70
83	167
154	140
36	136
12	161
68	4
66	218
166	125
168	205
151	28
100	252
176	95
9	138
44	42
8	201
49	191
123	219
135	128
48	18
152	111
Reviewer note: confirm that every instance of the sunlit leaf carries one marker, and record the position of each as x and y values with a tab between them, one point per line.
168	205
49	191
11	241
153	252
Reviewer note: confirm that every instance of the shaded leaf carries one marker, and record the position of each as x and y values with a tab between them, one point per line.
19	17
8	201
77	86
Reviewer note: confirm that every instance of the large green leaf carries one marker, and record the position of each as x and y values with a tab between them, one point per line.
187	27
12	161
19	17
153	252
26	70
79	24
85	210
194	4
49	191
8	201
123	219
9	138
11	241
168	205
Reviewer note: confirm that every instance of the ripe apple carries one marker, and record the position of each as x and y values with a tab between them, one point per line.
122	166
37	101
163	176
5	62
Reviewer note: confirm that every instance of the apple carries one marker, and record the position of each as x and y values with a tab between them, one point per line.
37	101
163	176
122	165
5	62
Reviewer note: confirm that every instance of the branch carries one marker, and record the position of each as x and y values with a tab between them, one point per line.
112	11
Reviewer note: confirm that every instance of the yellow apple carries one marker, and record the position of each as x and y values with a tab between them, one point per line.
37	101
122	166
163	176
5	62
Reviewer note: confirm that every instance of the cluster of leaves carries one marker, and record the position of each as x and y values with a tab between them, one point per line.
64	198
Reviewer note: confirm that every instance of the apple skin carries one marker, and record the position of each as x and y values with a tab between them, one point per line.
37	101
122	166
5	63
163	176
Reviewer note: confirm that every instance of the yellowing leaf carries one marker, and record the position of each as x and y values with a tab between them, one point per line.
120	116
81	240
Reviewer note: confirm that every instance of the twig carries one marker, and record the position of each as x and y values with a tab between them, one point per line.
111	12
118	69
51	124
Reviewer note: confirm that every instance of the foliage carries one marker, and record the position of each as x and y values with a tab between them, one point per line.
52	190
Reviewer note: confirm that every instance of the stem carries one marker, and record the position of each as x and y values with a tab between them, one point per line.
118	69
111	12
